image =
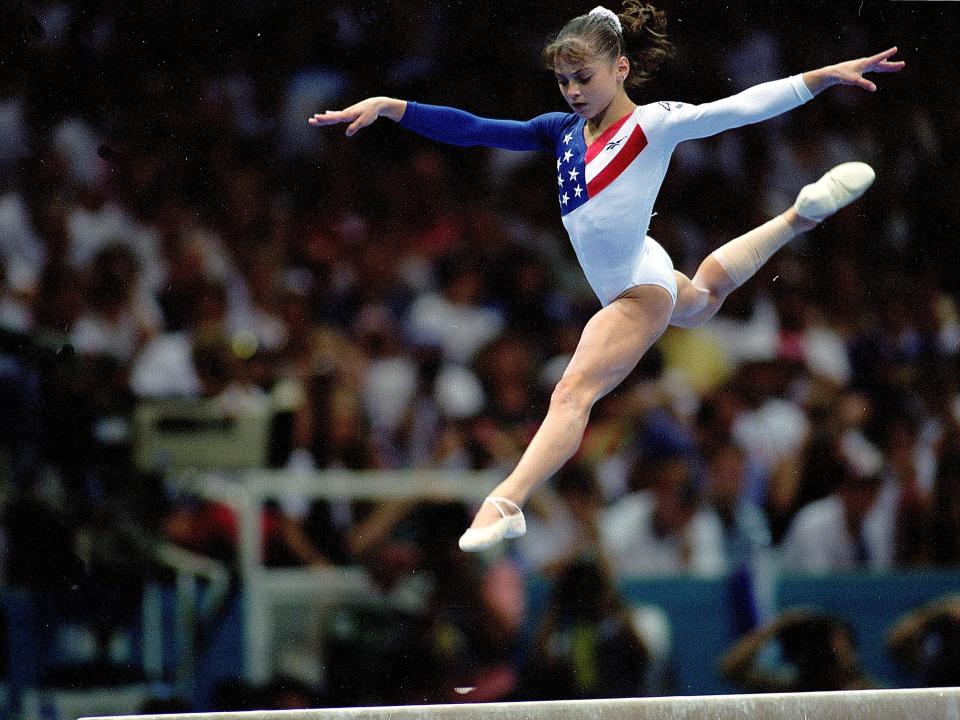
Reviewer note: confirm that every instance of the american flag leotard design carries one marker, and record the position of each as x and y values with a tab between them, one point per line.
606	190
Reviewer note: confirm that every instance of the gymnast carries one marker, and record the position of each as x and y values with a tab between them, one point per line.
612	156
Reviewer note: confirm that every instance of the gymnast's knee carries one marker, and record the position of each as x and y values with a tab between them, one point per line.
576	392
696	304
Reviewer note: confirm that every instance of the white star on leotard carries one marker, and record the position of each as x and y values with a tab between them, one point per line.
558	163
574	173
567	155
560	180
577	191
567	138
565	199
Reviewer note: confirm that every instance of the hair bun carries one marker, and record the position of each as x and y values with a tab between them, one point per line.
609	14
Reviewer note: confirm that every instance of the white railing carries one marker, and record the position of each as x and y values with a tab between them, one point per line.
267	588
200	585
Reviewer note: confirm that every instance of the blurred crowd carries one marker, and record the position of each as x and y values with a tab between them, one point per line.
170	226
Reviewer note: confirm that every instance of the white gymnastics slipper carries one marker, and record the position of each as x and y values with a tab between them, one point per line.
510	525
836	189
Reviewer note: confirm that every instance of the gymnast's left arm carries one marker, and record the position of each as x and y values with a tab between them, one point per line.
764	101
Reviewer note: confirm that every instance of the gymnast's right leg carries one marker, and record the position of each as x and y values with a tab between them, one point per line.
731	265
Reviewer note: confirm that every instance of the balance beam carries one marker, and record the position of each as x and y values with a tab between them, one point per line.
913	704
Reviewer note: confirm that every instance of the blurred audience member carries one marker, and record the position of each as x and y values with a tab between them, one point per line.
563	523
455	319
944	523
661	527
120	318
744	525
166	366
588	643
926	642
841	531
817	653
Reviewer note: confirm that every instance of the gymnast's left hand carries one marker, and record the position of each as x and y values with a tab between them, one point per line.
851	72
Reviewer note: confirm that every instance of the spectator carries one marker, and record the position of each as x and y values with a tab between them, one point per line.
391	375
818	653
661	526
944	525
587	644
166	367
563	522
744	525
455	319
119	320
837	442
926	642
841	531
771	426
909	476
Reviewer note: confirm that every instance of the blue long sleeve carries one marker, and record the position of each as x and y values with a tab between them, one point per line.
458	127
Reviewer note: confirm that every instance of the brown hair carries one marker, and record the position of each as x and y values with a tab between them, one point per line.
643	40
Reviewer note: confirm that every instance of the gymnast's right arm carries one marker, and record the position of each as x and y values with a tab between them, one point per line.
449	125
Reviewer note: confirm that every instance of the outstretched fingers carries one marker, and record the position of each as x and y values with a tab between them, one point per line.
358	116
864	83
330	117
881	62
852	72
361	121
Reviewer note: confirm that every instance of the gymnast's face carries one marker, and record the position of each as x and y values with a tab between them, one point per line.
589	86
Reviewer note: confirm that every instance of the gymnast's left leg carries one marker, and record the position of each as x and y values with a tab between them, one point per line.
731	265
611	345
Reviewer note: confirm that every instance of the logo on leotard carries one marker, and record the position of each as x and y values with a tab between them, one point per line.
665	106
613	143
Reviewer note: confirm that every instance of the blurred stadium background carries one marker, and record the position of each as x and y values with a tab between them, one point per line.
254	375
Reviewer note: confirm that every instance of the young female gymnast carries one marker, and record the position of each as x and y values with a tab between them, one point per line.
612	156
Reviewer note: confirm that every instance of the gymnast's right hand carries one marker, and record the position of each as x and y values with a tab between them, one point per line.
361	114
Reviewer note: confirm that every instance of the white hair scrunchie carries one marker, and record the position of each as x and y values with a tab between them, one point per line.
609	14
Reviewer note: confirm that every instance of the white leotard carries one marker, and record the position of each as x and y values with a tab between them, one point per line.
607	191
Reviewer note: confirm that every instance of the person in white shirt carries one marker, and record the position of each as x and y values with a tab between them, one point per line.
663	529
841	532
